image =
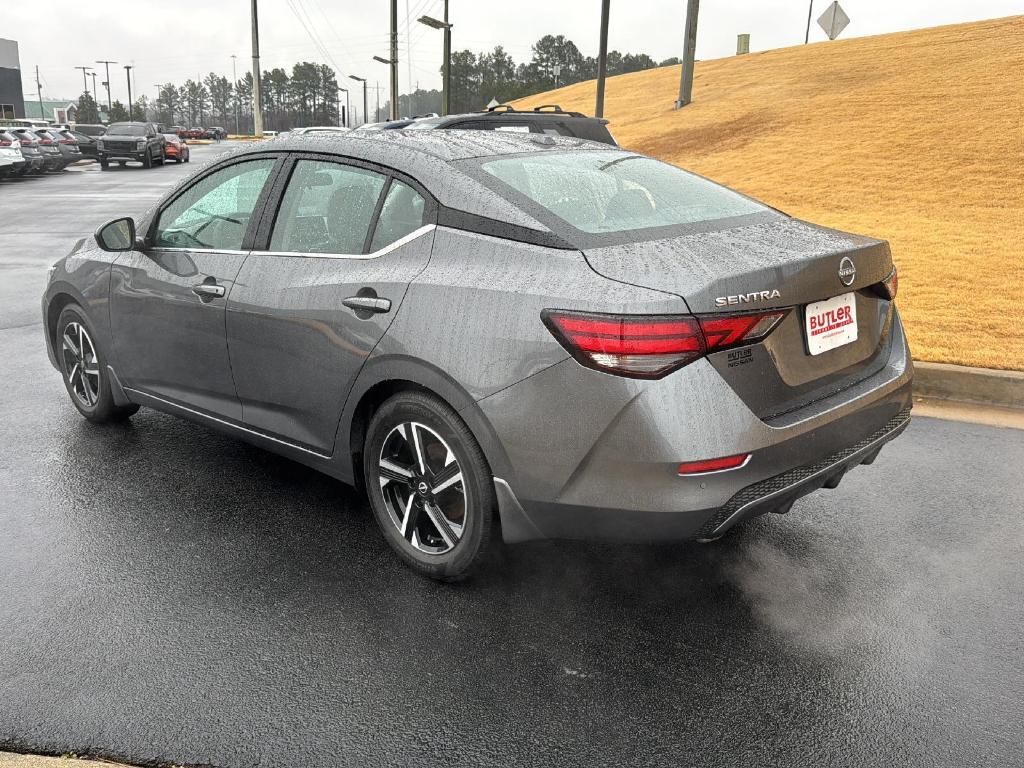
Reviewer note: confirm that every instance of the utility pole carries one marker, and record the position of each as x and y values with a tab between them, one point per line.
85	78
807	33
107	63
408	59
39	93
131	104
446	64
602	59
394	59
689	54
376	111
95	95
257	105
363	81
234	89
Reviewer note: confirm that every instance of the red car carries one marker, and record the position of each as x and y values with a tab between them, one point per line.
177	149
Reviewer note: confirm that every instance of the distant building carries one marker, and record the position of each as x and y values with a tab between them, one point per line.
59	111
12	103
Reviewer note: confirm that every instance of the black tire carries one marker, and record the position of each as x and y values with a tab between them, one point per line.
177	159
99	407
122	163
147	161
104	165
476	502
188	157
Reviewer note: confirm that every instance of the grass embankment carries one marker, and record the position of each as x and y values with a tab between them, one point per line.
916	137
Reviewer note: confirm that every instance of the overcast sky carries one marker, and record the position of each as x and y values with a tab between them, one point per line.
177	39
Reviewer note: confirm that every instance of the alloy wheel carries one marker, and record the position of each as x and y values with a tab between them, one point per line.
80	364
422	484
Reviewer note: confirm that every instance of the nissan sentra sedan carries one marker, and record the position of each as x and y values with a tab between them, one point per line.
496	336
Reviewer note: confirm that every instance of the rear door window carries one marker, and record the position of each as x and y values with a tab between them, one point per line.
327	208
401	214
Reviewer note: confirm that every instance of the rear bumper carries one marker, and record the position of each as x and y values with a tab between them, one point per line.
619	480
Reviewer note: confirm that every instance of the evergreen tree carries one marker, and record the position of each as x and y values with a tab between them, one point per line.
87	111
118	112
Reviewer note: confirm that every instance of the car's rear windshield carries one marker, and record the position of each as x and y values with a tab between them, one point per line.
126	130
606	192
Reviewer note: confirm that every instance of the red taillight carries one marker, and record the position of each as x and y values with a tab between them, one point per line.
724	331
713	465
644	346
890	285
652	346
68	141
5	143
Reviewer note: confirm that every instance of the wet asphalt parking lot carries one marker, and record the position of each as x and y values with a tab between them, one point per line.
168	594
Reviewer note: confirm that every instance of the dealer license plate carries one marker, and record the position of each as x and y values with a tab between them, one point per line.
831	323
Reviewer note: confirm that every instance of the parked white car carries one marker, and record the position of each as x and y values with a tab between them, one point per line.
11	159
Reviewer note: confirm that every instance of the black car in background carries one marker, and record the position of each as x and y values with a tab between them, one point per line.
134	141
90	130
548	119
86	143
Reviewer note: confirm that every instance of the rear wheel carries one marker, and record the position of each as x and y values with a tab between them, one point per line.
429	485
85	374
122	163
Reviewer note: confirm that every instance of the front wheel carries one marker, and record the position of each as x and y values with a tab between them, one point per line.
147	161
429	485
85	373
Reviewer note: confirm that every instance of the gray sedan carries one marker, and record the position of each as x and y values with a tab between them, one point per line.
494	334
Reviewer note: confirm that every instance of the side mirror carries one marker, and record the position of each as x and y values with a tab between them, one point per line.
117	235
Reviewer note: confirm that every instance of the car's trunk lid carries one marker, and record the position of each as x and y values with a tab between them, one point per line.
779	263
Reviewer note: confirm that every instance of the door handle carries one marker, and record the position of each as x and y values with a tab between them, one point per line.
367	304
208	290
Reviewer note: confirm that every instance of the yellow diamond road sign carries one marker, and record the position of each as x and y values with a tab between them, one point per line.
833	21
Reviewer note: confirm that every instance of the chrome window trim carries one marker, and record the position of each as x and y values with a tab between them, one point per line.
167	249
416	233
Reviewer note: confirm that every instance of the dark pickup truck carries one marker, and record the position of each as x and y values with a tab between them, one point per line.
124	142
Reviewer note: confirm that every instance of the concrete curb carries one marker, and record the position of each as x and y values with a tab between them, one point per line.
985	386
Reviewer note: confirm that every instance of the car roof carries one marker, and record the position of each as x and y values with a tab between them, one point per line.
448	146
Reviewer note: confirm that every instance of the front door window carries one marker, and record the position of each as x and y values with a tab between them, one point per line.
214	212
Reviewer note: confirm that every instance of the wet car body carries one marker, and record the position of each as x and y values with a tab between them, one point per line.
540	334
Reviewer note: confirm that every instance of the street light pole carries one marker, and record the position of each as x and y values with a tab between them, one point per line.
107	64
446	64
234	89
363	81
602	60
348	109
131	104
807	33
257	106
689	54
